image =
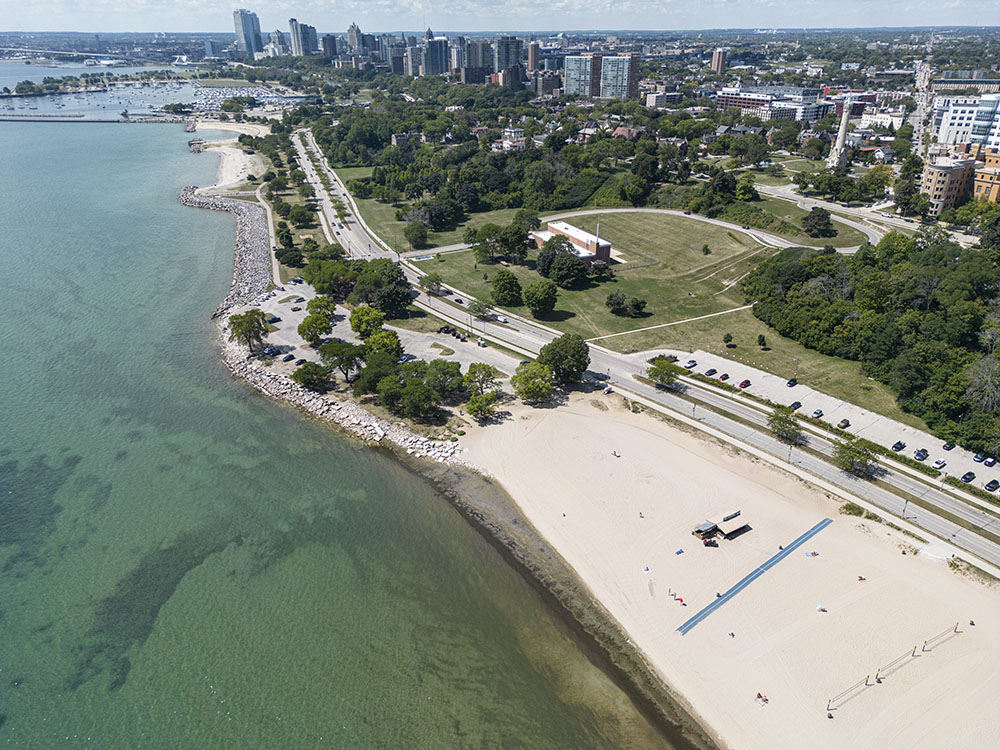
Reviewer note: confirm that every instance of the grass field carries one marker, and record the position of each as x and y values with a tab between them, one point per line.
804	165
846	236
837	377
664	265
381	217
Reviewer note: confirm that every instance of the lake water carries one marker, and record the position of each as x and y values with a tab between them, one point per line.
184	564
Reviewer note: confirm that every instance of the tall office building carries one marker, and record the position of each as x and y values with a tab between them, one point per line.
479	54
329	45
457	57
279	41
507	53
620	77
411	63
977	122
385	44
247	32
719	59
533	53
310	40
583	75
353	39
435	58
295	33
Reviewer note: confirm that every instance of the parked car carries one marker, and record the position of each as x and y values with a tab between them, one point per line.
299	362
687	213
948	446
274	319
270	351
296	308
939	464
690	363
898	446
795	405
968	476
711	371
979	457
843	424
406	358
724	376
990	461
299	299
288	358
792	382
817	414
745	384
992	485
921	454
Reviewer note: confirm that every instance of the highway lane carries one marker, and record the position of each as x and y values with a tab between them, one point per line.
527	337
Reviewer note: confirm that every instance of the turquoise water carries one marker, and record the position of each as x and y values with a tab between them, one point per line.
185	564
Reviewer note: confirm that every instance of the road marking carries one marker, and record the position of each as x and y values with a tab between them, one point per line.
752	576
675	323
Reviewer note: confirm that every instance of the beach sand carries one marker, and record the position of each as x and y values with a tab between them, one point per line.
612	517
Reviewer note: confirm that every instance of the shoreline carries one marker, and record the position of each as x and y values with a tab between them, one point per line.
494	513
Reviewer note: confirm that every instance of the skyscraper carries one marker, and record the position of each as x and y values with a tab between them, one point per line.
583	75
310	41
479	54
329	45
620	77
507	53
279	41
296	37
719	59
533	52
353	39
435	59
247	32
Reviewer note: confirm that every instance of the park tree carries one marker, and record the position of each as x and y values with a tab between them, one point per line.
432	283
480	310
855	457
616	302
783	423
314	328
568	271
817	223
390	391
506	289
416	234
541	297
727	339
322	305
392	299
249	328
444	378
568	356
984	383
481	377
663	372
483	406
761	341
342	355
377	366
386	342
635	307
366	321
312	375
533	382
745	190
418	400
301	216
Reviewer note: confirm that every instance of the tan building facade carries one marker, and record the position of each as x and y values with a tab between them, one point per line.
986	183
945	181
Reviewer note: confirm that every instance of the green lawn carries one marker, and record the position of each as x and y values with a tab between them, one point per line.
846	236
664	265
381	217
804	165
837	377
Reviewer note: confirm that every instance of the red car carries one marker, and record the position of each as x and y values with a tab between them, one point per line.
724	376
745	384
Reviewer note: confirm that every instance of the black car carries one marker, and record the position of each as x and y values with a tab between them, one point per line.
921	455
795	405
299	362
992	485
898	446
288	358
270	351
979	457
296	308
792	383
711	371
948	446
968	476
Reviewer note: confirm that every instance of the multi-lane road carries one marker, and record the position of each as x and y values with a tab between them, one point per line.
733	417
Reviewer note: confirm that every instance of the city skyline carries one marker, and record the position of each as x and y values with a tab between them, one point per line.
480	16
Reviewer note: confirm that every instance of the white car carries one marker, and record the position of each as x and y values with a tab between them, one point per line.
501	319
939	464
690	363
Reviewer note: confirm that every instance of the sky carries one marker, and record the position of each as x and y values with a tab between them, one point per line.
490	15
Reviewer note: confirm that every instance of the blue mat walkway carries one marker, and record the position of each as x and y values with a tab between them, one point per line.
752	576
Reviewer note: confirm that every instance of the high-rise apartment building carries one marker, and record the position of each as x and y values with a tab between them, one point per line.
534	50
280	41
582	75
310	40
479	54
329	43
295	34
457	57
411	64
213	48
620	77
248	38
719	59
435	58
354	39
945	181
507	53
987	177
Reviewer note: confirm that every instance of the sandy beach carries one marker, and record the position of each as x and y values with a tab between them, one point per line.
806	631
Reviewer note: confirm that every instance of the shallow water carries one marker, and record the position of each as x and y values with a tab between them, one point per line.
186	564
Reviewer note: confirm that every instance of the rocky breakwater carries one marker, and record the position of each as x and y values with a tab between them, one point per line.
251	277
252	266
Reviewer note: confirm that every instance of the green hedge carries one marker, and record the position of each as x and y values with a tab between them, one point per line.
972	489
